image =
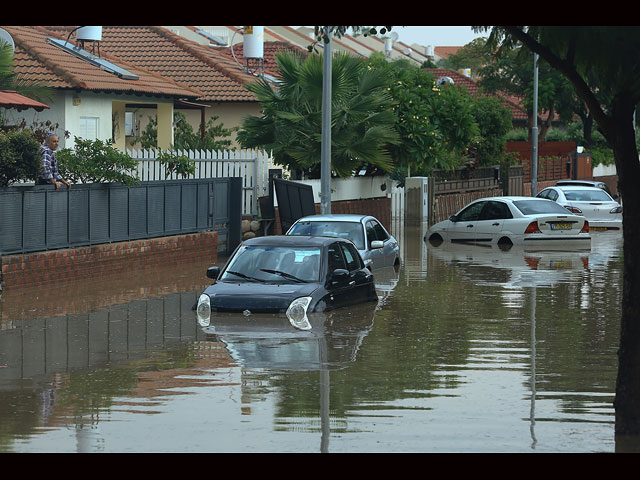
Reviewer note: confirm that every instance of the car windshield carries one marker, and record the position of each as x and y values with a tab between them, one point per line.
595	195
540	206
349	230
267	264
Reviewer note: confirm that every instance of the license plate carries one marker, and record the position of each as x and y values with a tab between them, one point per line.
560	226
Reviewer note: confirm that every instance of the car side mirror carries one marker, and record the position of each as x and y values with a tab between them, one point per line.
213	272
453	218
339	275
377	244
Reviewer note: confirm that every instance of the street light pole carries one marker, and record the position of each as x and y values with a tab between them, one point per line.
534	130
325	146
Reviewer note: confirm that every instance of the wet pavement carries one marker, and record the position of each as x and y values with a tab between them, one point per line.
469	349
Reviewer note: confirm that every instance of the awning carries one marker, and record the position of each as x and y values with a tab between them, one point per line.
12	99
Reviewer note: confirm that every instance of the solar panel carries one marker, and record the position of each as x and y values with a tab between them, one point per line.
92	59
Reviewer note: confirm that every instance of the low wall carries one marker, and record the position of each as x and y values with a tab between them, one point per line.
96	262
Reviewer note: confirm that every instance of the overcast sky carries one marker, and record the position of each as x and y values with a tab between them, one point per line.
438	36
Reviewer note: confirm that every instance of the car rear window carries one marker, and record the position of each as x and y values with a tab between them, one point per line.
587	195
535	206
349	230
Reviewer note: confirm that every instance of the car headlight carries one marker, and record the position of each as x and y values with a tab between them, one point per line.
297	313
203	310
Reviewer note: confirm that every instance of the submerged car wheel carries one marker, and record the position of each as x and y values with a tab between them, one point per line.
435	239
505	243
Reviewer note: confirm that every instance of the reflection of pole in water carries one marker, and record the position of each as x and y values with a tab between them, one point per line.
532	380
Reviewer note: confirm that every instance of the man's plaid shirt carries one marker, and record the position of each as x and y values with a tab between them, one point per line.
49	164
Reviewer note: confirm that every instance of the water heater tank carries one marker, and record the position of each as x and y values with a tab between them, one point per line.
92	34
253	42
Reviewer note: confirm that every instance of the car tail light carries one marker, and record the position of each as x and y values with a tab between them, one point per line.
585	227
616	210
533	228
575	210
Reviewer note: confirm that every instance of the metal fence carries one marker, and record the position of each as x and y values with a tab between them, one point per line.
250	165
37	218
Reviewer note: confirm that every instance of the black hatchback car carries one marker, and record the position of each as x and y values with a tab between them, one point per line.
290	275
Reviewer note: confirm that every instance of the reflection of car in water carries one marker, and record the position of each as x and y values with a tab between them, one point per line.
289	275
509	221
268	341
515	266
373	241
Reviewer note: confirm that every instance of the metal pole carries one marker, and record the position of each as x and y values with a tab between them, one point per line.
325	151
534	130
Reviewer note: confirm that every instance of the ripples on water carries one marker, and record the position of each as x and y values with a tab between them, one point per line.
469	350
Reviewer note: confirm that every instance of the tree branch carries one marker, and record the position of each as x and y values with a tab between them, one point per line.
568	69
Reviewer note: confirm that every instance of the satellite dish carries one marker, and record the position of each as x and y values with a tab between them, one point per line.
444	81
6	38
394	36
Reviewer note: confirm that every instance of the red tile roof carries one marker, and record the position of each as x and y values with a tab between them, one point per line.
161	51
12	99
36	60
458	79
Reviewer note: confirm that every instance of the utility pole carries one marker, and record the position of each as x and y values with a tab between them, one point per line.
325	146
534	130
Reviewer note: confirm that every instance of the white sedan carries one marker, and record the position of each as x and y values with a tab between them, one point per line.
529	221
595	204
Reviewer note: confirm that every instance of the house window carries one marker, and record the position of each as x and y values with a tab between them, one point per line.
88	128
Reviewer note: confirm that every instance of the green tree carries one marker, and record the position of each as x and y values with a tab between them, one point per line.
473	55
96	161
609	54
494	123
511	72
435	122
216	136
362	119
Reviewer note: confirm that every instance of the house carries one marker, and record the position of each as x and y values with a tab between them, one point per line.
91	92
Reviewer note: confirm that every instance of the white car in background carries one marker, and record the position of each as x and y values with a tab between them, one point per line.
505	221
595	204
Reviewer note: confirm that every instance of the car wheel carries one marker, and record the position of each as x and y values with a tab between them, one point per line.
435	239
505	243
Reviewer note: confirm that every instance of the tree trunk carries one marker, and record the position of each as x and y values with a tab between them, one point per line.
621	135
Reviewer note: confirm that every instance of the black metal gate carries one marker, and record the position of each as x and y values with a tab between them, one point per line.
295	200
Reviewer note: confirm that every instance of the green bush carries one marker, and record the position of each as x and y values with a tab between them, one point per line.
19	157
179	164
95	161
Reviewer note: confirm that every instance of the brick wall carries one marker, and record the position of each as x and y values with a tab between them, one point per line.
99	261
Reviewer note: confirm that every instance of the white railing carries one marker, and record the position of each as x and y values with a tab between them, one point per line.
251	165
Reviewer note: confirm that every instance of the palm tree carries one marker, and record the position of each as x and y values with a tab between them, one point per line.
362	121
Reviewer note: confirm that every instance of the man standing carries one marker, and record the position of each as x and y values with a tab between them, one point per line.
50	174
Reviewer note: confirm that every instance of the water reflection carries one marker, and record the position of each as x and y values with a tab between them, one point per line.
469	349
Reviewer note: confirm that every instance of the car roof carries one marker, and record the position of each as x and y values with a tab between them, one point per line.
511	198
293	240
579	182
576	187
336	217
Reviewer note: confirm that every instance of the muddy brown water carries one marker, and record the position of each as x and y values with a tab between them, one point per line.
469	349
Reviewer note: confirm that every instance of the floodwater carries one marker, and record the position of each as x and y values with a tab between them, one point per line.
470	349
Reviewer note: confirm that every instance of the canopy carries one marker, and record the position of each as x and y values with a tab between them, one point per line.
12	99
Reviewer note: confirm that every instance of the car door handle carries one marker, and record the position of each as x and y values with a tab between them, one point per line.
470	225
495	224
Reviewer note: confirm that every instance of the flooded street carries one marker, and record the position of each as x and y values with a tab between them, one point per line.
470	349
